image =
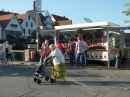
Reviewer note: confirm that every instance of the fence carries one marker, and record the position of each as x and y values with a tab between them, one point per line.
127	52
18	55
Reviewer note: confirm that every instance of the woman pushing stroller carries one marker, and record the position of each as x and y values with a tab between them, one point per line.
59	69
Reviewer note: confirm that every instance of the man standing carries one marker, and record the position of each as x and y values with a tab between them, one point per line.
85	53
71	48
80	47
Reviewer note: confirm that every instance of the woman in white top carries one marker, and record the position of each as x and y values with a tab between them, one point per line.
3	53
8	51
59	69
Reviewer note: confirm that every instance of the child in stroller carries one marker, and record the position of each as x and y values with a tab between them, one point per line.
40	71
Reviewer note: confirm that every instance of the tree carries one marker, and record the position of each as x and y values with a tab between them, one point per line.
127	12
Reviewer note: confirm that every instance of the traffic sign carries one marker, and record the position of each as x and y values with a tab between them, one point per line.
38	29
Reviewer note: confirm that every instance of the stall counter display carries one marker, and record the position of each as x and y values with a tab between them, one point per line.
96	47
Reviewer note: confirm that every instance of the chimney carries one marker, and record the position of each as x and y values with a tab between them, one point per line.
33	5
2	9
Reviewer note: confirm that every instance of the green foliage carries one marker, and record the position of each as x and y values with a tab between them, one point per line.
33	35
54	24
19	44
127	12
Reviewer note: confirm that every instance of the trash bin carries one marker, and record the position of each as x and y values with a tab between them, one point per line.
32	56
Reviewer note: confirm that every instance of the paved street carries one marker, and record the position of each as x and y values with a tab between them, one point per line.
17	81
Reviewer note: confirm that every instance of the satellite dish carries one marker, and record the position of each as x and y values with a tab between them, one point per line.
87	20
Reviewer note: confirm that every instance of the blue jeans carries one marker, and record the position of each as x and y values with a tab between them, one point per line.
85	57
40	67
79	59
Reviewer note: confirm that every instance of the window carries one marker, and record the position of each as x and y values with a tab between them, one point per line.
29	17
29	31
31	24
26	24
14	25
24	31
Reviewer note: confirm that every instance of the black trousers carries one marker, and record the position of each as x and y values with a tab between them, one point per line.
9	56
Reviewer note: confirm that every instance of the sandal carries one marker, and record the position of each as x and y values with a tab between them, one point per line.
62	80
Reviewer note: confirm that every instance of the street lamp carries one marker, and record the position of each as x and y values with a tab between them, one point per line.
37	31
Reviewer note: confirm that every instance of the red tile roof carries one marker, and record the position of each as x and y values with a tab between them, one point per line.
64	22
22	16
5	19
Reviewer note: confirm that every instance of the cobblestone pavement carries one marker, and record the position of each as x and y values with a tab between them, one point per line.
17	81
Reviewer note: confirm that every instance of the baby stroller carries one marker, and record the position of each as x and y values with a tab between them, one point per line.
40	71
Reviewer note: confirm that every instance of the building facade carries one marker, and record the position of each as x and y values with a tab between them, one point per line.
27	23
11	28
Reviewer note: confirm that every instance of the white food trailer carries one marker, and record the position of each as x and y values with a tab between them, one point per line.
107	39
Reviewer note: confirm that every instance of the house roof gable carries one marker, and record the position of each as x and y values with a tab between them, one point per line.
40	17
22	16
58	18
5	19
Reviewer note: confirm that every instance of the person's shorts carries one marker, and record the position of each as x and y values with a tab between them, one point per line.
2	55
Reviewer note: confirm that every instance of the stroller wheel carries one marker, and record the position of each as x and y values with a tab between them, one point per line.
46	78
52	80
39	81
35	79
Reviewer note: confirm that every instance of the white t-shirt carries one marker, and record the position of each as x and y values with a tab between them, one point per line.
9	47
58	57
2	46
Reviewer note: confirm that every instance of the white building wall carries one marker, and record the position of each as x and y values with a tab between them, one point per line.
9	28
48	23
30	27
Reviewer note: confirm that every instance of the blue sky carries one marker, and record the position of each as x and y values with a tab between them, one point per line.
96	10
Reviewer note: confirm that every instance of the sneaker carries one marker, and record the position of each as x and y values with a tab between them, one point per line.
40	75
36	74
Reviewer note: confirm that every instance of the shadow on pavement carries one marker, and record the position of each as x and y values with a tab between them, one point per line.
89	83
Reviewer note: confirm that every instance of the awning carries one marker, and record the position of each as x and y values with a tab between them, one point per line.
118	27
85	26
